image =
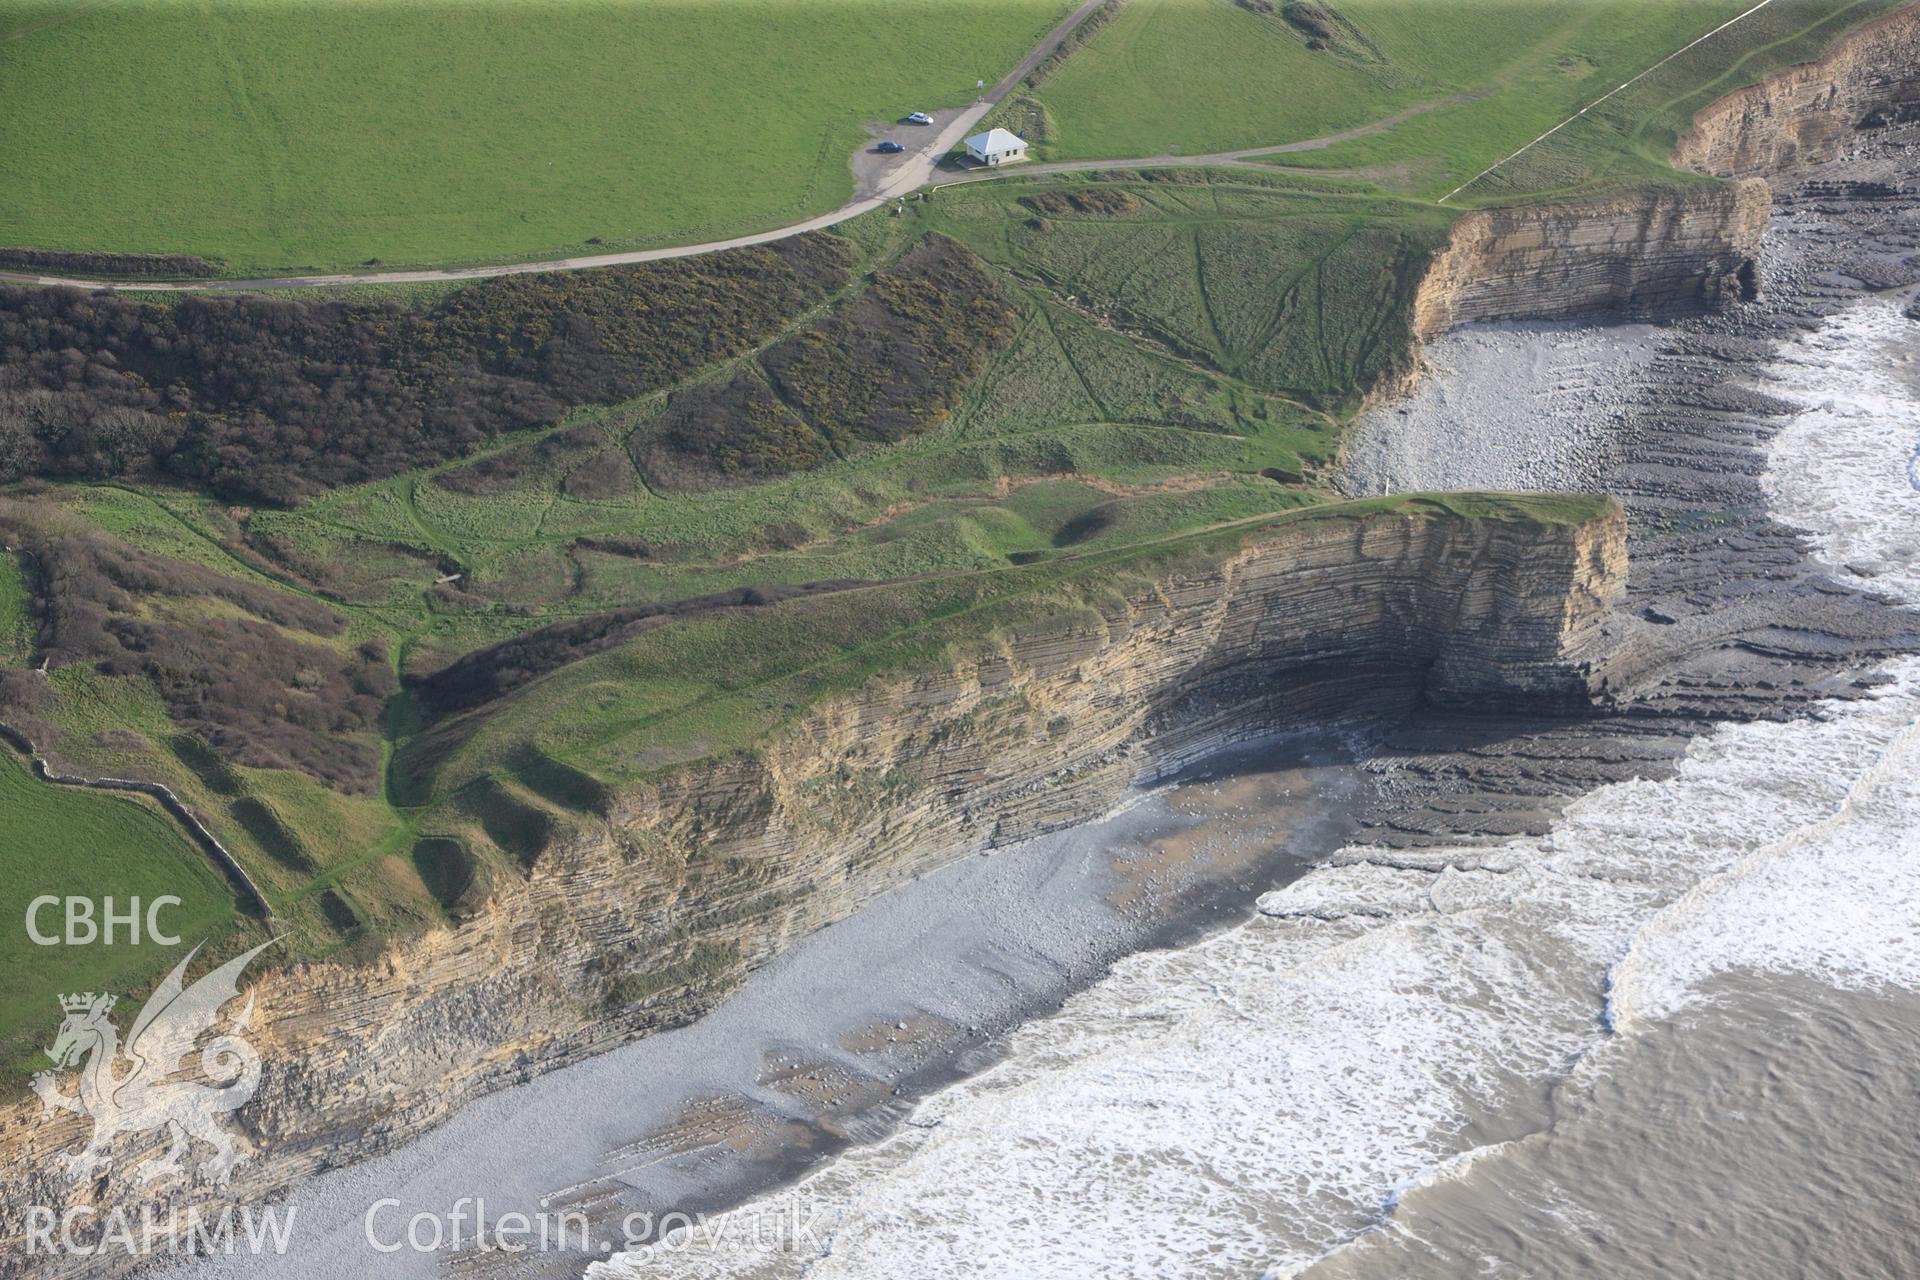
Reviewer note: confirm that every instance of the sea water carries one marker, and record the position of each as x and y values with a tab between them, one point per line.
1676	1035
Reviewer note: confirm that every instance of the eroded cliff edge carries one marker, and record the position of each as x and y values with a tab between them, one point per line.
1814	112
644	918
1676	251
1663	253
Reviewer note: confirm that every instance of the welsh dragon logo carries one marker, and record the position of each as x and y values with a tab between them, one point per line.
128	1091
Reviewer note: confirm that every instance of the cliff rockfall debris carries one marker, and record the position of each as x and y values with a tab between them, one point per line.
643	918
1814	112
1671	252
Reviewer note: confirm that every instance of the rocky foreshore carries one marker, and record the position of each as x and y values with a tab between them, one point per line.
1726	616
647	919
1722	614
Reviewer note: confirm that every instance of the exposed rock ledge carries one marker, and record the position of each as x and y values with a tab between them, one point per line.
1660	253
642	921
689	884
1814	112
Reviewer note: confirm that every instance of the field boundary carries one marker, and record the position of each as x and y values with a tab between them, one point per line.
175	807
1619	88
918	172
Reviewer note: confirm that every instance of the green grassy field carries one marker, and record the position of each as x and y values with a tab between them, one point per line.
1227	78
1172	361
283	137
1624	140
61	841
297	134
1482	77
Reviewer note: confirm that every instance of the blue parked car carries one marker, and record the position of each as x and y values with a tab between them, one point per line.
889	147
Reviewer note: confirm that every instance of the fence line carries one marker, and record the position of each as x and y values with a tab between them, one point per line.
1602	98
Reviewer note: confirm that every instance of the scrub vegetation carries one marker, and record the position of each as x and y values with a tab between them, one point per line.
396	587
271	399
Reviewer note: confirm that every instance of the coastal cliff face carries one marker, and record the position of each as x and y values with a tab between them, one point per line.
644	920
1677	251
1814	112
1669	252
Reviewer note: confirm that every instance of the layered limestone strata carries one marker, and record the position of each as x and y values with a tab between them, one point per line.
1656	253
1678	251
643	918
1814	112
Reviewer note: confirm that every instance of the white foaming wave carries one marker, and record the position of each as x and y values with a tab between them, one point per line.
1828	883
1847	468
1251	1102
1289	1077
1245	1105
1839	898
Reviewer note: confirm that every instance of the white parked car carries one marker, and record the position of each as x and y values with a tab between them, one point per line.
919	117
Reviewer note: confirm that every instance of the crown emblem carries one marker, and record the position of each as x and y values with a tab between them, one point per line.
85	1001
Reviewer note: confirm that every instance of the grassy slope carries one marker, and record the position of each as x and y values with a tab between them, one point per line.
1227	79
61	841
1064	399
305	134
1297	292
721	684
1165	356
